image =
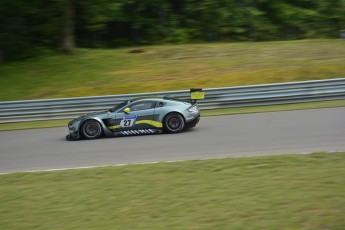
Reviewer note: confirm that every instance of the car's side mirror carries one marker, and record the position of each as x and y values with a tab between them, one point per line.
127	110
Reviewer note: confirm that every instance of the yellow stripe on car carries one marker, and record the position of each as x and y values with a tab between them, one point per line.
113	127
156	124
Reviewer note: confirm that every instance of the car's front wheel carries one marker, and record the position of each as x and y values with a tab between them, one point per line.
91	129
174	123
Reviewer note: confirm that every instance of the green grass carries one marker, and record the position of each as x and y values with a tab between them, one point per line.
275	192
171	67
212	112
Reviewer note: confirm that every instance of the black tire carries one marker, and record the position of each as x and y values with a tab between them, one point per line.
91	129
174	123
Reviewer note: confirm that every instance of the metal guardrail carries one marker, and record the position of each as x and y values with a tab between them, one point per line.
268	94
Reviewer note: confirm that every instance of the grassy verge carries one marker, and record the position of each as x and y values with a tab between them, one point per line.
276	192
171	67
212	112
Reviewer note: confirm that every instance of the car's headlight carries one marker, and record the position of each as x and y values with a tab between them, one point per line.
193	109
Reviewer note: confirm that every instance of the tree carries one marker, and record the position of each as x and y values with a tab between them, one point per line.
95	22
68	39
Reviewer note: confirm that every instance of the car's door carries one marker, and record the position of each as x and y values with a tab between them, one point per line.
139	115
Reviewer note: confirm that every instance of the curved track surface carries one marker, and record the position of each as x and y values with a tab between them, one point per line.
214	137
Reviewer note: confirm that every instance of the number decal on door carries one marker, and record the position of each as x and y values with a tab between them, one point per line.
128	121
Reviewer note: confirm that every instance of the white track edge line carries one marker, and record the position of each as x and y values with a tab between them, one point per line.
156	162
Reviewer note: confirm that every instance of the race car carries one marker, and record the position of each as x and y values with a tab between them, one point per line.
136	117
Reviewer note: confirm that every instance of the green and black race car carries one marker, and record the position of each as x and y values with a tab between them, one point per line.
136	117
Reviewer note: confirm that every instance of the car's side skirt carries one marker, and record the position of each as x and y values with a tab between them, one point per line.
135	132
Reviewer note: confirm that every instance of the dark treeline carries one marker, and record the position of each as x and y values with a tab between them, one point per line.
30	27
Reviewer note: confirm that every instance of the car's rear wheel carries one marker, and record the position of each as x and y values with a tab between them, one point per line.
174	123
91	129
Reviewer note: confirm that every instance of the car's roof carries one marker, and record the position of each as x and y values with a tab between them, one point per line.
164	99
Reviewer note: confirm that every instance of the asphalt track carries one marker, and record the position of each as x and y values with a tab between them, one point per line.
214	137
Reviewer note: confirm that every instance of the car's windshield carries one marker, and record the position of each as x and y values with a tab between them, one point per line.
119	106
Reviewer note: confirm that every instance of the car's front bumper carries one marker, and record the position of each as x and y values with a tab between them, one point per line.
73	129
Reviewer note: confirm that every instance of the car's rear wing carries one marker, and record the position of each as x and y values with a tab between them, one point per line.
196	94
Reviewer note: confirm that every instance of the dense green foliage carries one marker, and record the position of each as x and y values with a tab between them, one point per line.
28	26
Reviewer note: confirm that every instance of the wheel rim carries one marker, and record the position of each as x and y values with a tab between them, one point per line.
91	129
174	123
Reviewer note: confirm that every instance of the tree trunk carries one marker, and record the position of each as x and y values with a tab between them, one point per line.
2	58
68	39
